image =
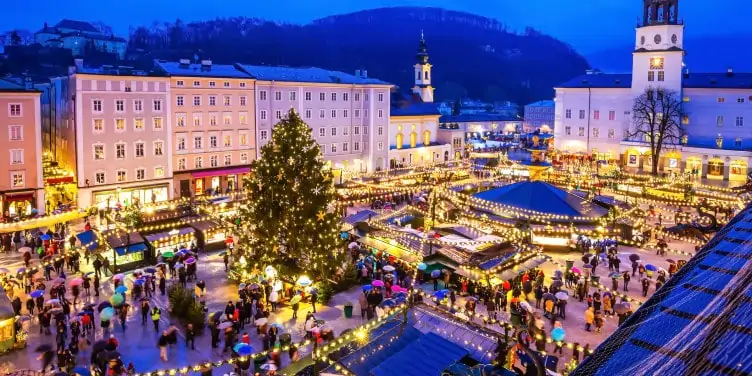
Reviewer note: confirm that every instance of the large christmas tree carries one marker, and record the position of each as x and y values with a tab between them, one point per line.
287	222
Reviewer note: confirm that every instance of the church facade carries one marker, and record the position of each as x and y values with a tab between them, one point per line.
594	112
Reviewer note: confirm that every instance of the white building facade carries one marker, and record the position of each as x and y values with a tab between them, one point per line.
593	111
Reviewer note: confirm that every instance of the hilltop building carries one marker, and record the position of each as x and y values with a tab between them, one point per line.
79	36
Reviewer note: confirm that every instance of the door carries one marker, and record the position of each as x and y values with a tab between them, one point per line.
185	188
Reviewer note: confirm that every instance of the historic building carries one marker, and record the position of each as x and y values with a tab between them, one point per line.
593	111
79	37
539	116
21	183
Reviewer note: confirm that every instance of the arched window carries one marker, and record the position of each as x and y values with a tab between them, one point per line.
417	75
413	139
425	75
426	138
446	155
400	139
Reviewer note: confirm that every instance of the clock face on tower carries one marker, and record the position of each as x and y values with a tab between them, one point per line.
674	39
657	39
642	40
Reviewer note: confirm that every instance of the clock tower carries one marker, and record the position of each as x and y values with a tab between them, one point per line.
423	73
658	58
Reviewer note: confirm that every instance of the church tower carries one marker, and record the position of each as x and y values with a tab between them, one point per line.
423	73
658	58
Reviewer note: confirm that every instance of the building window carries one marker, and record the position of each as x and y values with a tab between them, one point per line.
138	105
293	95
582	114
356	146
345	147
99	178
180	120
98	125
120	105
356	130
567	130
243	119
278	95
262	95
181	164
356	113
243	139
308	114
380	146
158	172
158	148
365	129
334	97
196	100
611	133
334	114
685	119
322	113
346	131
198	142
278	114
264	135
228	159
244	158
719	120
721	100
179	101
596	115
322	132
227	141
181	143
139	149
213	161
568	114
740	121
365	113
661	75
262	114
212	142
322	96
139	124
227	119
157	105
196	83
719	141
121	176
120	151
381	97
595	133
140	174
344	113
96	105
226	84
242	84
179	83
651	76
228	100
243	101
212	83
581	132
345	97
198	162
365	97
333	148
17	156
212	100
157	123
334	131
119	125
379	131
308	95
196	120
381	113
611	115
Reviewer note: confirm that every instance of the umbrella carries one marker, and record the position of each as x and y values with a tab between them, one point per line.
615	275
45	237
221	254
352	245
621	308
651	267
21	270
388	268
168	254
103	305
605	294
439	294
400	295
269	366
107	313
89	273
576	270
526	306
59	281
179	266
43	348
367	288
561	295
118	276
557	284
77	281
121	289
472	298
215	317
190	260
548	296
378	283
241	286
151	270
587	266
253	286
387	303
396	288
52	301
225	325
4	270
634	257
296	299
139	281
558	334
117	299
422	266
435	274
56	310
24	250
82	371
277	325
243	349
261	321
36	293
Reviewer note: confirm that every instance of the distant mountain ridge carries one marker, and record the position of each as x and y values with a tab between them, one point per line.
473	56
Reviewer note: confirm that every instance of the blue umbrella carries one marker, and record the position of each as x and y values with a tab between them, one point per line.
36	293
139	282
121	289
400	295
435	274
367	288
150	270
651	267
82	371
439	294
21	270
558	334
243	349
388	303
278	325
422	266
45	237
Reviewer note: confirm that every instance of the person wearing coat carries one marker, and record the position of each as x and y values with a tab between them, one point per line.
589	318
607	307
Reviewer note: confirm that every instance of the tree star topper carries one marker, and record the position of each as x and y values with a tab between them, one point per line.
320	215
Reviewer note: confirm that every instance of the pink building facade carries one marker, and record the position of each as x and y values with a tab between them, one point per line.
348	114
122	137
21	181
213	133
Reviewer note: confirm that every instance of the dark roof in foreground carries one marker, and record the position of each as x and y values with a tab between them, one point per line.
690	81
699	323
476	117
9	85
542	197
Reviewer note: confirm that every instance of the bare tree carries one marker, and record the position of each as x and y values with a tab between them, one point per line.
656	119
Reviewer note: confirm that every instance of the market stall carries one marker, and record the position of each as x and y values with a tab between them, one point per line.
7	324
127	251
211	235
180	237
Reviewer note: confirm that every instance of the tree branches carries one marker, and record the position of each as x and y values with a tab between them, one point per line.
656	120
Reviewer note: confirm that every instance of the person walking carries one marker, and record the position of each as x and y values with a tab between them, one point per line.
589	318
144	311
156	313
162	344
627	277
314	298
190	336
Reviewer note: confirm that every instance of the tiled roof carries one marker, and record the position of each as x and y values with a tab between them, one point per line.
545	103
174	68
308	74
690	81
699	323
599	80
77	25
411	104
476	117
7	85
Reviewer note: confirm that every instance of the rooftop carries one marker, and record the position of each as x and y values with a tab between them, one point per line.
696	324
174	68
731	80
77	25
306	74
9	85
411	104
542	197
544	103
476	117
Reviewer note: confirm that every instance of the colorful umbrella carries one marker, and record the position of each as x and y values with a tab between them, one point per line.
118	277
558	334
225	325
21	270
77	281
367	288
616	275
121	289
117	299
103	305
168	254
651	267
139	281
576	270
107	313
435	274
36	293
45	237
388	303
261	321
190	260
396	288
243	349
52	302
296	299
388	268
377	283
562	295
422	266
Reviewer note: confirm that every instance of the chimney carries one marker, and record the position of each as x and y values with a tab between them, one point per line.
184	63
730	72
206	65
365	73
357	73
29	84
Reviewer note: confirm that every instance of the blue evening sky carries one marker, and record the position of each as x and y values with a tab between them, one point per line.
588	25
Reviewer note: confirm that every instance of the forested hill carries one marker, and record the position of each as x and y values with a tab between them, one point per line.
472	55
